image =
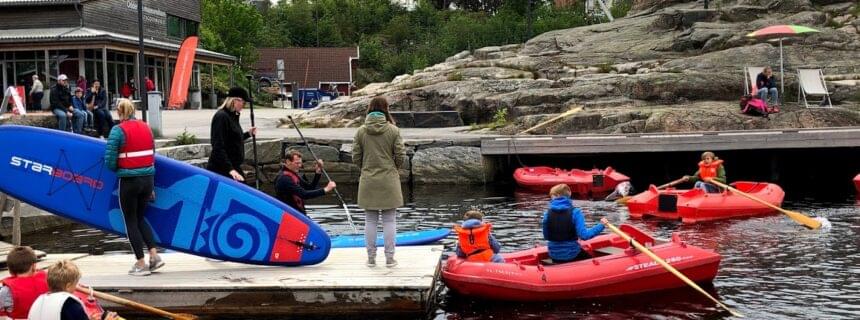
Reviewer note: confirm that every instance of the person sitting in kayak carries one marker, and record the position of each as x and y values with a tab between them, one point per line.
292	188
563	224
710	167
475	240
61	302
24	284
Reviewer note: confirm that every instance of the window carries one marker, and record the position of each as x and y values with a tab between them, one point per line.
181	28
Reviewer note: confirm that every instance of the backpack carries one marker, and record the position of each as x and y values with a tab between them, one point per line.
754	106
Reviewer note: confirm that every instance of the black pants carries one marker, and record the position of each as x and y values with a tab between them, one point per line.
103	121
37	100
134	195
581	256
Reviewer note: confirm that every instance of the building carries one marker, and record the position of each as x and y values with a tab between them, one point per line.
327	69
99	40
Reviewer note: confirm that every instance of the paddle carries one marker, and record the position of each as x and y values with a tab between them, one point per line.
336	193
800	218
624	199
543	124
671	269
136	305
253	136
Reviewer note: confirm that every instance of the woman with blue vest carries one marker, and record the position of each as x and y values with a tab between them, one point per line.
130	152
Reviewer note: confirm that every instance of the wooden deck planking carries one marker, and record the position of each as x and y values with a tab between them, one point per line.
341	285
6	247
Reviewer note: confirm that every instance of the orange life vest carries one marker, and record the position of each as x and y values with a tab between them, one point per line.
138	150
707	171
475	242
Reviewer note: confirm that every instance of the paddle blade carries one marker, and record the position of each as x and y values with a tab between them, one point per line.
623	200
805	220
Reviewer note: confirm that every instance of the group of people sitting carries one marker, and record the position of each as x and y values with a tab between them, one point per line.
87	109
30	293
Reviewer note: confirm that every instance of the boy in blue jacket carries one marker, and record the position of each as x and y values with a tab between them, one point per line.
475	240
563	225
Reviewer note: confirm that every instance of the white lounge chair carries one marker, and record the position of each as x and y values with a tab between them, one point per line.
811	83
750	74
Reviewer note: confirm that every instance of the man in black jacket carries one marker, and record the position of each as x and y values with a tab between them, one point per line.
227	137
293	188
61	105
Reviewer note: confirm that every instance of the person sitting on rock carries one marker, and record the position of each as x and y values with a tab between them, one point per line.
475	239
766	85
564	224
293	189
710	167
24	284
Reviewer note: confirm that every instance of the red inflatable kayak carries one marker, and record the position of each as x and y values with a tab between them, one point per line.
695	205
583	184
616	269
857	183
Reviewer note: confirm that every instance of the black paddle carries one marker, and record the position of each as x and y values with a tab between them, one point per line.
253	136
336	193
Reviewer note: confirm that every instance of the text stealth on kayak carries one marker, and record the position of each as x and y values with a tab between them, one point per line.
651	264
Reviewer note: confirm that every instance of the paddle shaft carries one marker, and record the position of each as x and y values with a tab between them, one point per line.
798	217
542	124
624	199
254	136
668	267
135	305
336	193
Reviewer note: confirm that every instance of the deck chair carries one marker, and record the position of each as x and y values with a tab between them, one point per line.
750	74
811	83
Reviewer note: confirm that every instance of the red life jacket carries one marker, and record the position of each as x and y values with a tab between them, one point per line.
139	148
475	242
707	171
25	290
298	201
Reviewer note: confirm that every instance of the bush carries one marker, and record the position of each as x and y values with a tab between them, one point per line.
185	138
605	68
455	76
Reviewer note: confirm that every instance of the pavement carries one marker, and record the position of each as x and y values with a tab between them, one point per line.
197	122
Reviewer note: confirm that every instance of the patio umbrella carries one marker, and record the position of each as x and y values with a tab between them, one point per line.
781	31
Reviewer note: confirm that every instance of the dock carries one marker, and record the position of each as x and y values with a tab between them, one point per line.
340	286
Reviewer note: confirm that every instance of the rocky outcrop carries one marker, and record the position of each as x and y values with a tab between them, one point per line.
454	164
665	54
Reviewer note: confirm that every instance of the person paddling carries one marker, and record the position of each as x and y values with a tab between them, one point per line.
293	189
710	167
130	152
564	224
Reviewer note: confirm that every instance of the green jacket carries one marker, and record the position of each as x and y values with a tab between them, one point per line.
115	140
379	152
721	175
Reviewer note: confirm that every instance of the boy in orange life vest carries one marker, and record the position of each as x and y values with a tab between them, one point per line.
564	224
24	284
475	239
293	189
710	167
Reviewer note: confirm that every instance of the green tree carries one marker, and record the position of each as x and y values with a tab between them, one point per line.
233	27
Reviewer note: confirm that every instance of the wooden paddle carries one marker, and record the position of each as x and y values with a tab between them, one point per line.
800	218
136	305
671	269
556	118
624	199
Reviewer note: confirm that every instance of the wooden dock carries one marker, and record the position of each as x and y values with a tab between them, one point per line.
673	142
340	286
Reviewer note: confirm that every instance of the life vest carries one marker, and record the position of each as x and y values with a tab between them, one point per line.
48	306
707	171
25	291
297	200
560	226
475	242
138	150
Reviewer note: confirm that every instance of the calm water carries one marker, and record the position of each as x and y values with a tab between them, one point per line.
772	268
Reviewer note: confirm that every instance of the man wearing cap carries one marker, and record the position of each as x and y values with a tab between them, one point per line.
227	137
61	105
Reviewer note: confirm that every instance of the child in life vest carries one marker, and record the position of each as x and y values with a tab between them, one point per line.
564	224
23	285
475	239
61	303
710	167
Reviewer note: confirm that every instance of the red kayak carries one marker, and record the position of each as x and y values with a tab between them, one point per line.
695	205
615	269
583	184
857	183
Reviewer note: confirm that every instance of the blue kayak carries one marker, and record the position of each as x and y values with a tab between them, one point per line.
411	238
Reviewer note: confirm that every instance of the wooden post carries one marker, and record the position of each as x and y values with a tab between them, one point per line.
16	222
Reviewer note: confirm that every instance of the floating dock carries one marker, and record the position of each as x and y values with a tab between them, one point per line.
340	286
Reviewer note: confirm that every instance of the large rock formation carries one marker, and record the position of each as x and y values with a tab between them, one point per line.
667	59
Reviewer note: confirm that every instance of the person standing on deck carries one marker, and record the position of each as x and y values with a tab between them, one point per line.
227	137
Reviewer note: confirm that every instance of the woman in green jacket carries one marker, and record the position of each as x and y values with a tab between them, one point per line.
378	151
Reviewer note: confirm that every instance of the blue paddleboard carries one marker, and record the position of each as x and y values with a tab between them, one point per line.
195	211
411	238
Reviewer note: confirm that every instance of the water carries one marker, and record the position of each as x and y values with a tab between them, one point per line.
772	268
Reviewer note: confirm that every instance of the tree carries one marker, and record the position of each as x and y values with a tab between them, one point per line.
233	27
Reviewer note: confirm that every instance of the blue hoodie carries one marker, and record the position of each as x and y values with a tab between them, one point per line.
568	250
494	244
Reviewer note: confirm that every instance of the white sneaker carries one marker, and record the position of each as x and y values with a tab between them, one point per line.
155	264
138	271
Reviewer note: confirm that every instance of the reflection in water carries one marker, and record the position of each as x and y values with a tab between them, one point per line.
772	268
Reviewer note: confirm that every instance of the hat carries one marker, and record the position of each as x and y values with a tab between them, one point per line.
62	77
236	92
79	89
